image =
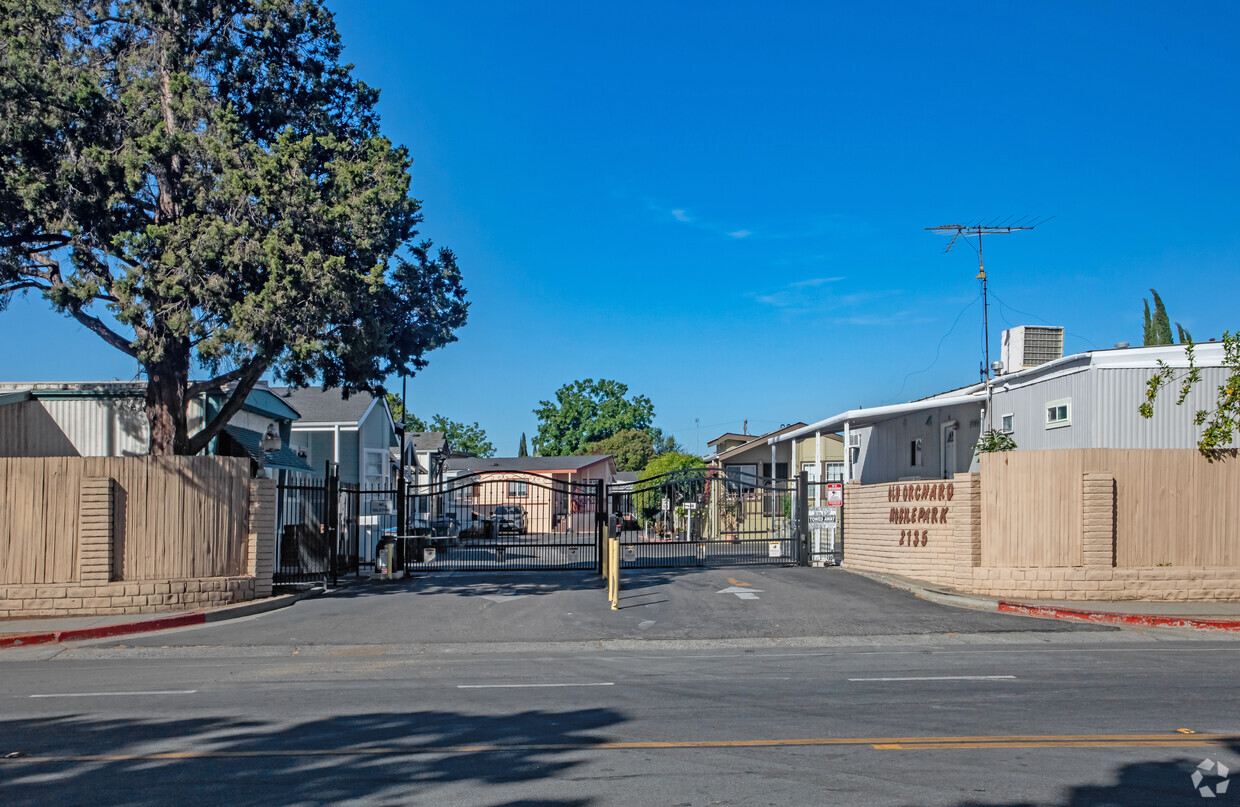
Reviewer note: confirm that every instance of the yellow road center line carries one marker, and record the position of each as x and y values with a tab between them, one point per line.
879	743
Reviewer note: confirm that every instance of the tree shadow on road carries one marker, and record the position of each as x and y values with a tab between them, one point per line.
1165	783
397	758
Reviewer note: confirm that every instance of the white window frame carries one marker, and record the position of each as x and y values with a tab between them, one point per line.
1007	422
1054	406
518	489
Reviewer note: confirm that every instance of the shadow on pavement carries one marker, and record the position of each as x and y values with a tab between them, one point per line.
395	758
1165	783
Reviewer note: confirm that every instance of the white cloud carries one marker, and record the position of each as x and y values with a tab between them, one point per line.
680	215
740	233
814	281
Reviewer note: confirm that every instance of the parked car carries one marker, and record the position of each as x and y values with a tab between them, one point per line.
510	518
628	523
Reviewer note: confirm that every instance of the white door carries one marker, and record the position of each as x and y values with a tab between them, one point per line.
949	451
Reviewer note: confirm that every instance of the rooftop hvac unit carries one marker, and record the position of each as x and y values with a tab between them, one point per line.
1030	345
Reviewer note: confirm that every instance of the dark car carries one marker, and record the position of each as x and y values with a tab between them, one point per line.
510	518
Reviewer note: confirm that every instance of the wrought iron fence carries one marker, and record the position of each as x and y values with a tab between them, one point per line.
706	517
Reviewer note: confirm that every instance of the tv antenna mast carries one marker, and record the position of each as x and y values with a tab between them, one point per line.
992	227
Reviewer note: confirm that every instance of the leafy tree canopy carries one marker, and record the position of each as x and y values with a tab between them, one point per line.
585	412
204	183
648	502
632	449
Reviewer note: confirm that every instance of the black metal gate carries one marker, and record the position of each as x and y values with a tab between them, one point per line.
707	517
504	522
307	531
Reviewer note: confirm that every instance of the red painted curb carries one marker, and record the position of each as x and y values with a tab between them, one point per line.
1113	618
24	639
103	631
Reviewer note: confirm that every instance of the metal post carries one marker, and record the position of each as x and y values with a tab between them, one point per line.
802	538
615	574
331	515
600	531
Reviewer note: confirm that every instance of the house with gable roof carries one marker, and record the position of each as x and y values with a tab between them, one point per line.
357	432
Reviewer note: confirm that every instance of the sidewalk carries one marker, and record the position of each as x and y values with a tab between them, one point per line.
1195	615
51	630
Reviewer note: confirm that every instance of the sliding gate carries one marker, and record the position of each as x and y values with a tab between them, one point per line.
504	522
706	517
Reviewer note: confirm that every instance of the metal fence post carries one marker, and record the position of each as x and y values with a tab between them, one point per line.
331	497
802	526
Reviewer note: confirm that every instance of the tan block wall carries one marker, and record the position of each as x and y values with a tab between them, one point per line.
909	528
875	535
75	599
94	591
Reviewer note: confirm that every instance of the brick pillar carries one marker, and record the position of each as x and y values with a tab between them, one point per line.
1098	520
262	535
966	515
96	512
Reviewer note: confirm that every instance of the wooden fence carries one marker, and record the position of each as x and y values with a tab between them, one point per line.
1171	507
174	517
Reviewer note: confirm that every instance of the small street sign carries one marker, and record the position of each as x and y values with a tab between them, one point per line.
835	494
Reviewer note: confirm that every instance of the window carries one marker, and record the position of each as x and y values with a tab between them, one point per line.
518	490
835	472
915	453
781	470
1005	423
741	476
1059	413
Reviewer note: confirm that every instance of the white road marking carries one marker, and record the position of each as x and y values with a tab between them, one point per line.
525	686
742	593
116	694
943	678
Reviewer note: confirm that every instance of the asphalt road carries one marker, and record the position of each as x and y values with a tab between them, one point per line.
429	693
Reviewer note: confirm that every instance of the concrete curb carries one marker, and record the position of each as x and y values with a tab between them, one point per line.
980	603
150	625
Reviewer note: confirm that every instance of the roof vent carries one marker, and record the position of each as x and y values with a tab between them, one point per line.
1030	345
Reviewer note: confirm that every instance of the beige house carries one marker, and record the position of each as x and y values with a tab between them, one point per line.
746	458
538	484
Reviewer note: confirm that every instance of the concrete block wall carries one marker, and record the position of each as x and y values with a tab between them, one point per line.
875	540
906	528
97	591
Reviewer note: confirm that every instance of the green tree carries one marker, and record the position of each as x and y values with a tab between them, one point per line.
649	501
632	449
409	421
204	184
585	412
1158	327
523	450
470	438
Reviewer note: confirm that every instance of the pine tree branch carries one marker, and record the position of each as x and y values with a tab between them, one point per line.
250	374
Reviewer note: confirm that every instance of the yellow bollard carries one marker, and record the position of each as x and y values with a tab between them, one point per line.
615	574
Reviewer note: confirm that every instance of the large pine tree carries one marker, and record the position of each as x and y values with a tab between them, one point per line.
203	184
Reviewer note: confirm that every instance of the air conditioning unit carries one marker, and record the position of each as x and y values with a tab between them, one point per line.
1030	345
854	440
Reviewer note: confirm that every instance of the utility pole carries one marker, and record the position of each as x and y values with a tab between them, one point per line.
993	227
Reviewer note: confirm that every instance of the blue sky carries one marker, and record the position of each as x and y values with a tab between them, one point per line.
723	205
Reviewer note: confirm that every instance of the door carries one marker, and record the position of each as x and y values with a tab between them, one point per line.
949	450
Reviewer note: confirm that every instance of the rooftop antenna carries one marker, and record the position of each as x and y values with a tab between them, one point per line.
993	227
